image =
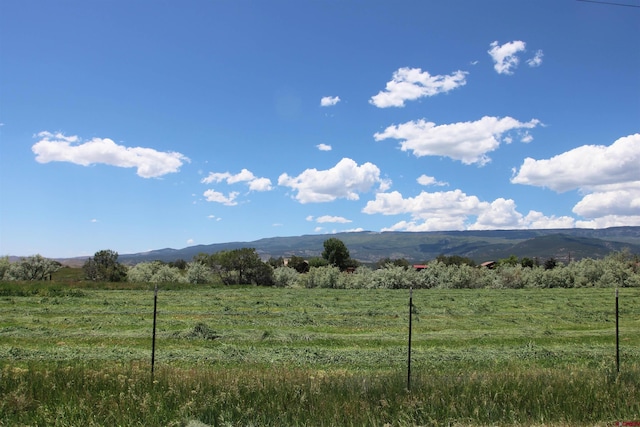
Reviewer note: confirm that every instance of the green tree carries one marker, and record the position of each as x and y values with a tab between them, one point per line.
550	264
299	264
276	262
511	261
104	266
526	262
455	260
180	264
317	261
238	266
398	262
336	253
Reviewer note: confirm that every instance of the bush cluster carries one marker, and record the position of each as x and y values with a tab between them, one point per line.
616	270
243	266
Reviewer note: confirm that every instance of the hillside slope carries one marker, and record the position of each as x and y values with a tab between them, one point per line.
422	246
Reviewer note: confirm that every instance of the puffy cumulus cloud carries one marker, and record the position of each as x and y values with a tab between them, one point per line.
505	57
354	230
345	180
429	180
610	221
536	61
502	214
328	101
586	167
215	196
468	142
409	84
608	177
254	183
150	163
537	220
611	200
260	184
436	211
329	218
323	147
499	214
455	210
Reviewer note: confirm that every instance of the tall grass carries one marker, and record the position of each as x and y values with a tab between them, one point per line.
83	395
247	356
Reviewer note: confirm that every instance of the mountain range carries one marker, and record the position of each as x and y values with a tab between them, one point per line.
482	245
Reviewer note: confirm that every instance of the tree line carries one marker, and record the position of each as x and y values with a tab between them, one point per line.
336	269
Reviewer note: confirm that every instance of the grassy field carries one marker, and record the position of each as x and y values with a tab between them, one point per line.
74	355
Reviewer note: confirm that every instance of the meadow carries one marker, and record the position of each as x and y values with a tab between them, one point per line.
80	354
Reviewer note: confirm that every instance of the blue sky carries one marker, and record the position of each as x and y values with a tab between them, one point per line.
139	125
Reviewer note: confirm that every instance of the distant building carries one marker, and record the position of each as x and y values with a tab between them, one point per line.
489	264
419	267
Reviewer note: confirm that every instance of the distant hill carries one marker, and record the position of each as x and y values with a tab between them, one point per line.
480	246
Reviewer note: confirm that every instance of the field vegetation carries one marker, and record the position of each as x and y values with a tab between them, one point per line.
79	353
320	342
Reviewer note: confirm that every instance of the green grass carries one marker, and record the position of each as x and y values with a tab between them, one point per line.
75	355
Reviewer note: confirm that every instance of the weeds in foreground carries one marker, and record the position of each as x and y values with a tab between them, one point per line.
75	395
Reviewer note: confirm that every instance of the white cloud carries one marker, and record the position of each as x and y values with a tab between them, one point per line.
607	176
455	210
586	167
345	180
526	137
190	241
329	101
243	176
309	218
149	162
618	200
429	180
610	221
536	61
409	84
215	177
505	56
323	147
329	218
354	230
425	205
502	214
465	141
260	184
537	220
254	183
215	196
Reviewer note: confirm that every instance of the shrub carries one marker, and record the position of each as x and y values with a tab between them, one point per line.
285	277
198	273
392	277
154	272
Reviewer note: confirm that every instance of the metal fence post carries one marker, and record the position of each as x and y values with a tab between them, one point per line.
409	352
617	335
153	339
